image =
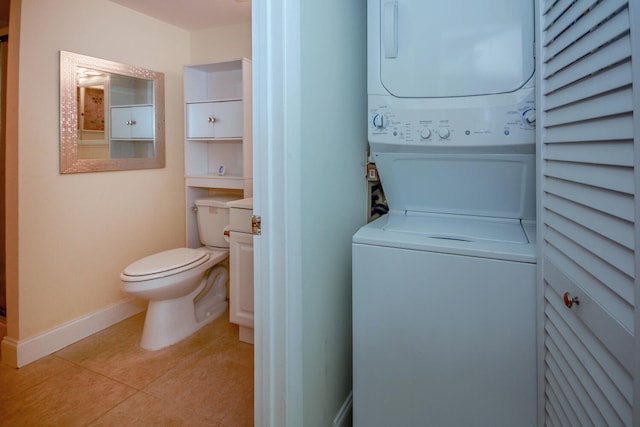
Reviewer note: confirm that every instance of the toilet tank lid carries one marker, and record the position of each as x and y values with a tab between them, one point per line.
216	201
172	259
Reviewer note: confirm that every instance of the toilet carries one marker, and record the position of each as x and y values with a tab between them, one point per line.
186	288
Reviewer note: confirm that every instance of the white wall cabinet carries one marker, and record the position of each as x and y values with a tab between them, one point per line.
135	122
215	120
131	118
218	146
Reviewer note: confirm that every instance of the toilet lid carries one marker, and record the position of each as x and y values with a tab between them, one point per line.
169	262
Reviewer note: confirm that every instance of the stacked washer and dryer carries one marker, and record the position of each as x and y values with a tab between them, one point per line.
444	285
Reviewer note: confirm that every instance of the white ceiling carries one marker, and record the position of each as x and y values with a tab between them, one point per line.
193	14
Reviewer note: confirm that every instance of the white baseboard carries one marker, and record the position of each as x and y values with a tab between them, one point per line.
345	414
21	353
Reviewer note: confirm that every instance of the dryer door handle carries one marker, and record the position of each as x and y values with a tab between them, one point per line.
390	29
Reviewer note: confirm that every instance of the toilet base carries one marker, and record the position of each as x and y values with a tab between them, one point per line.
170	321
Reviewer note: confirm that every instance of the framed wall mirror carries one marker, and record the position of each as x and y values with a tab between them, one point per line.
111	115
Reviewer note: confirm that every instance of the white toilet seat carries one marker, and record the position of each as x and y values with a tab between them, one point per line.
164	264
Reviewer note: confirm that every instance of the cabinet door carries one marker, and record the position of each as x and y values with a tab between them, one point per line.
199	120
132	122
241	279
142	117
228	122
215	120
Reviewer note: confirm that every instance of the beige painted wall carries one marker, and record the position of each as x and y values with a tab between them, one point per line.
221	44
77	232
70	236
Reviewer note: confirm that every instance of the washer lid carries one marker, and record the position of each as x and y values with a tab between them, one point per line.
484	185
168	262
459	227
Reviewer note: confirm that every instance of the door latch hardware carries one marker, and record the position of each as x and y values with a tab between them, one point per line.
256	225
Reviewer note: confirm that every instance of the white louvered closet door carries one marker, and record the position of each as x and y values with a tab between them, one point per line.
588	87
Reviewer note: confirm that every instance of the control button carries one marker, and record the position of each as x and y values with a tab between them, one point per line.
529	116
379	121
425	134
444	133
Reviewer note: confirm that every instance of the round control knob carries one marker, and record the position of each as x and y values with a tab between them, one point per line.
379	121
444	133
529	117
425	134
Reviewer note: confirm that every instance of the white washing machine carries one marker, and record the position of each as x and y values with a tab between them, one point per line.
444	285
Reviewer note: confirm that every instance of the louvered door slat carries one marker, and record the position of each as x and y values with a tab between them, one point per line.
615	52
610	79
548	4
613	153
582	26
582	45
590	386
589	241
601	176
602	273
612	103
613	203
563	15
568	405
615	229
611	129
553	417
586	414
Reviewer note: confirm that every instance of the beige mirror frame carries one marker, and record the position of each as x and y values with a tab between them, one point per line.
70	162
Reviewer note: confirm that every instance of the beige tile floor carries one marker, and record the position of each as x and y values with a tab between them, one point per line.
108	380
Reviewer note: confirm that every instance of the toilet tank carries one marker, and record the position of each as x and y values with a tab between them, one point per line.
212	219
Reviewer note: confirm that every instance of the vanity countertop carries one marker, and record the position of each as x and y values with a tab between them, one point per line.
242	203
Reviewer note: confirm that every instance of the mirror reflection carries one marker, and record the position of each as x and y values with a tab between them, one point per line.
112	115
93	142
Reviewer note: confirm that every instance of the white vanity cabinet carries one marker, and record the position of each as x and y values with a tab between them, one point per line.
132	122
241	267
218	148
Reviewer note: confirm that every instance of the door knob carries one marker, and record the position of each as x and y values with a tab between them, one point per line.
569	301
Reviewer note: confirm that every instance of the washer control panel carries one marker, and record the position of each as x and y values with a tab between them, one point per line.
416	124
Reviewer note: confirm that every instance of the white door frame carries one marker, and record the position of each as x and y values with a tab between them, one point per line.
276	168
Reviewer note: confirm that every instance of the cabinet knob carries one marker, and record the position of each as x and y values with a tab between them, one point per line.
211	119
569	301
130	122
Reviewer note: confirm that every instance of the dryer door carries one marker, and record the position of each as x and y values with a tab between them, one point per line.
433	48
